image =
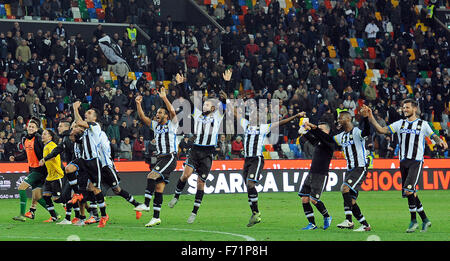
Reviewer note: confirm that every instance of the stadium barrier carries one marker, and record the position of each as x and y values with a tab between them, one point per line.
278	176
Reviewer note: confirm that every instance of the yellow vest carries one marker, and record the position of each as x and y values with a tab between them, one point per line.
54	169
132	33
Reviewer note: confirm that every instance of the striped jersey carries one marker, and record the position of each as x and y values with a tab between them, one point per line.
354	147
165	136
91	142
411	137
207	128
254	138
105	150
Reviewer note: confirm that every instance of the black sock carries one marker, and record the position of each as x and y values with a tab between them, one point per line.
157	202
124	194
100	199
358	215
179	189
309	212
412	206
76	208
69	207
93	211
50	207
82	217
420	210
322	209
73	181
32	210
149	191
253	199
347	205
198	200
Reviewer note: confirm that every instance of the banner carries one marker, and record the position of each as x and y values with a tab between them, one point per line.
273	180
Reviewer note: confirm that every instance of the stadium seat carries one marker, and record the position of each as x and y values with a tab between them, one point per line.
274	155
266	155
372	52
360	42
331	51
353	42
131	76
269	147
437	125
412	54
138	75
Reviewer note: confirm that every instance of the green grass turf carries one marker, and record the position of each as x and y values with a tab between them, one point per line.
224	218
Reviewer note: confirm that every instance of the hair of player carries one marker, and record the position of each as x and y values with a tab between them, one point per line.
35	121
66	122
325	124
411	101
165	109
346	113
97	113
52	134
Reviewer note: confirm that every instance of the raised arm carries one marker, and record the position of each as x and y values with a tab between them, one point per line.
172	113
367	112
78	119
141	113
282	122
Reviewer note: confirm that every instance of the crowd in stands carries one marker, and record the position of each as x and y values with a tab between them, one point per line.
273	53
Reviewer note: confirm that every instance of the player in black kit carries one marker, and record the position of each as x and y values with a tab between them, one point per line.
315	182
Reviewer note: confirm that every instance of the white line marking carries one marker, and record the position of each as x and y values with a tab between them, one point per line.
247	238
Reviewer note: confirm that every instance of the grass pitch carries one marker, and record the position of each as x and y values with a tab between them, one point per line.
224	218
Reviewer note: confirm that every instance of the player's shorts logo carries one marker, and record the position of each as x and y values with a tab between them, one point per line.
252	176
157	168
317	195
204	176
349	181
409	186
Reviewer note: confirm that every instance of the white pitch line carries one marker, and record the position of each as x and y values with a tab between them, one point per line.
247	238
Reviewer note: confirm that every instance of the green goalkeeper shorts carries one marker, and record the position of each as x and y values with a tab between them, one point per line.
35	179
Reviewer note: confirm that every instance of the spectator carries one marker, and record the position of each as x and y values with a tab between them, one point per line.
125	149
184	146
113	131
8	107
23	51
37	110
350	105
115	150
124	131
11	150
222	149
139	148
237	148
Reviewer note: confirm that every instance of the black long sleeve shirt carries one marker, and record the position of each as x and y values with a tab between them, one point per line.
324	147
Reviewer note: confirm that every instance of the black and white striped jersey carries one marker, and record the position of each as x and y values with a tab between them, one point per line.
254	138
411	137
354	147
206	128
165	136
91	142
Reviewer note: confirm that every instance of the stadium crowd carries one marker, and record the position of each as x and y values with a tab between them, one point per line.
276	55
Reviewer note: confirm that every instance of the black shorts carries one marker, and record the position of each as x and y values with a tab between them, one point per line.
410	170
355	177
253	167
313	185
165	165
88	170
53	187
109	176
200	159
